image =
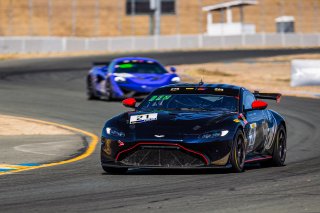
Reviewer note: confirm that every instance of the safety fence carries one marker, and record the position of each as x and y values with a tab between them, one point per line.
146	43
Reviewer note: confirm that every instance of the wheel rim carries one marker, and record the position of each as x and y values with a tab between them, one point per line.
240	152
282	146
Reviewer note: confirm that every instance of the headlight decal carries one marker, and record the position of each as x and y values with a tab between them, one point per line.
113	132
213	134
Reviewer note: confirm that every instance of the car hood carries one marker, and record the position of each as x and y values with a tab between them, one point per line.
175	125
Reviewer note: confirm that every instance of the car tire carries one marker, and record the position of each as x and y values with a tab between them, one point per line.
109	93
90	90
114	170
238	152
280	147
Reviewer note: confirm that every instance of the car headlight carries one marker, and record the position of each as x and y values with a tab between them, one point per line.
120	79
213	134
175	79
113	132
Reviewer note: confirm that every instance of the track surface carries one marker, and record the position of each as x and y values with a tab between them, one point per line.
54	90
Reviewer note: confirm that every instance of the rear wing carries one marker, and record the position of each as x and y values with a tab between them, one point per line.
98	63
271	96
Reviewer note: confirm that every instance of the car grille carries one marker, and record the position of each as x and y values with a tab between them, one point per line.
162	157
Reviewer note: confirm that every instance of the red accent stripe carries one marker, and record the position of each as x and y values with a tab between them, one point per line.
258	159
166	144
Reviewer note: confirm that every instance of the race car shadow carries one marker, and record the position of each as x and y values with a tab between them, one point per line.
204	171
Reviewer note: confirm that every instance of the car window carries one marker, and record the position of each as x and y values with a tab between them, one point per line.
248	99
190	102
137	66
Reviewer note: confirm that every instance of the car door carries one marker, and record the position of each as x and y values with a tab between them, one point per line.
270	129
255	128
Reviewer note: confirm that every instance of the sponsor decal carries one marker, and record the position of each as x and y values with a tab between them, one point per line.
270	130
143	118
159	136
160	98
125	66
252	134
201	88
174	89
243	118
189	88
253	125
197	127
107	147
236	120
120	143
218	89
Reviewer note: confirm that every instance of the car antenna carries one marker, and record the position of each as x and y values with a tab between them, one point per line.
201	82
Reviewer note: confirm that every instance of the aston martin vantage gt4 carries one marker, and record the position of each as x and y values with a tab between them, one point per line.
195	126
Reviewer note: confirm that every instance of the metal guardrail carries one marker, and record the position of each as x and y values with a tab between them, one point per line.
116	44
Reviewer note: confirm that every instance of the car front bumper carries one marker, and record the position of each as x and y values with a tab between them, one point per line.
164	154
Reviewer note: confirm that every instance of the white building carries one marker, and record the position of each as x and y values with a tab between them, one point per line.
229	27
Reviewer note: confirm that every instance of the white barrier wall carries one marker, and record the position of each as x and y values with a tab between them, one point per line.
305	72
145	43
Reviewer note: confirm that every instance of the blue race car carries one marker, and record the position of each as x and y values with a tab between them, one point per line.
128	77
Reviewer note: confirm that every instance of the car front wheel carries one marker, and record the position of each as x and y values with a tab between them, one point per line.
90	90
237	157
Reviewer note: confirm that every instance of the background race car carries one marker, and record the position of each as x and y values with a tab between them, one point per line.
195	126
128	77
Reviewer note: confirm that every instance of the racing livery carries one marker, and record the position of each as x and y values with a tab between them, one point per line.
127	77
195	126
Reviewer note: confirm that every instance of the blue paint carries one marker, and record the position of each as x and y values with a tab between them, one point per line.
6	169
29	164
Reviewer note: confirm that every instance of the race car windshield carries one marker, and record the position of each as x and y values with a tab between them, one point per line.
190	102
139	67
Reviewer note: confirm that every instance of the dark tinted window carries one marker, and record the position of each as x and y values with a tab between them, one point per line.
248	99
142	7
190	102
137	66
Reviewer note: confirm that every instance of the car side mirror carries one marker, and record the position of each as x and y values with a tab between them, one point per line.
256	105
173	69
129	102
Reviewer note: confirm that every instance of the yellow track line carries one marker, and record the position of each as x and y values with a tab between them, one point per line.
90	149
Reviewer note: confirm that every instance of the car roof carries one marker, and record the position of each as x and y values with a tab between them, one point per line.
135	58
186	88
223	86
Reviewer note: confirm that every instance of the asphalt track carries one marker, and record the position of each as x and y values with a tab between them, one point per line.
54	90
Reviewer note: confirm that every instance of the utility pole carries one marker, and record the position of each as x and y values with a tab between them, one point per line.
151	16
157	25
133	14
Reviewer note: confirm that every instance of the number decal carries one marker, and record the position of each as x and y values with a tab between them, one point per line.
143	118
